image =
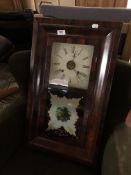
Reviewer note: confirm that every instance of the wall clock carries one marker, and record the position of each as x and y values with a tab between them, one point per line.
72	66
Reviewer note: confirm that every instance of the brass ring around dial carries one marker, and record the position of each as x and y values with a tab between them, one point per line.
71	65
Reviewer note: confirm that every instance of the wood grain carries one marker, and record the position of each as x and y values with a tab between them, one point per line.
125	28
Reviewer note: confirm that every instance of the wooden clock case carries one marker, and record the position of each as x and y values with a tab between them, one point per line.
104	36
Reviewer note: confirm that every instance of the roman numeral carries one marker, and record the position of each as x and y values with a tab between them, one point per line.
59	70
85	58
59	56
70	81
84	66
56	64
65	50
73	49
74	52
81	73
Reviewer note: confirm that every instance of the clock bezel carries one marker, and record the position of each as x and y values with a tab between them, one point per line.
99	86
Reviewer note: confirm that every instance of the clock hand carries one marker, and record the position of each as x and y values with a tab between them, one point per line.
76	72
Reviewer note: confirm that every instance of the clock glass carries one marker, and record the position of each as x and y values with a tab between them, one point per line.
71	64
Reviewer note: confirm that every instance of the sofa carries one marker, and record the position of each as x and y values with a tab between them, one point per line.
10	100
15	35
8	85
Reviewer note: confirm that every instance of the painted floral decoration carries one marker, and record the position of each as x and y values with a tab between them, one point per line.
63	114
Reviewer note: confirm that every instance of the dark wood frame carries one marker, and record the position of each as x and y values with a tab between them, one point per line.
105	38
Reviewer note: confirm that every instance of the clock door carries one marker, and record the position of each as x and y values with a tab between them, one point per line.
72	67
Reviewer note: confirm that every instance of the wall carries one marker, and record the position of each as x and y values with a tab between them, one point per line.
10	5
102	3
54	2
29	4
20	4
7	5
89	3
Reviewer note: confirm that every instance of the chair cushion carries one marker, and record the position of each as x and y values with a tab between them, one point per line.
19	63
7	81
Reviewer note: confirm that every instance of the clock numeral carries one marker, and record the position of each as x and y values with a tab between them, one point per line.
85	58
73	51
59	70
81	73
56	64
84	66
59	56
65	50
63	76
70	81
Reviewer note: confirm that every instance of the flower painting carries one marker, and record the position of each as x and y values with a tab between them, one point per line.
63	114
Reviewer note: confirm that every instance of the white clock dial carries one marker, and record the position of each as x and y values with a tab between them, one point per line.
71	64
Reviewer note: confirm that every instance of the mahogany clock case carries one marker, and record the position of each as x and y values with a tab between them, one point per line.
78	134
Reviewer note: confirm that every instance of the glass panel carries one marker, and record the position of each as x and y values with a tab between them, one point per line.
69	74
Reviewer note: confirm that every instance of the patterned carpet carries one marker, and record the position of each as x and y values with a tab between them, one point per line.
6	81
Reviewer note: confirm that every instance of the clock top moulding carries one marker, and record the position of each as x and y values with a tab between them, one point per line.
87	13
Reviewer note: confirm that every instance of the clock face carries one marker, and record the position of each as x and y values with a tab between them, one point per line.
71	64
